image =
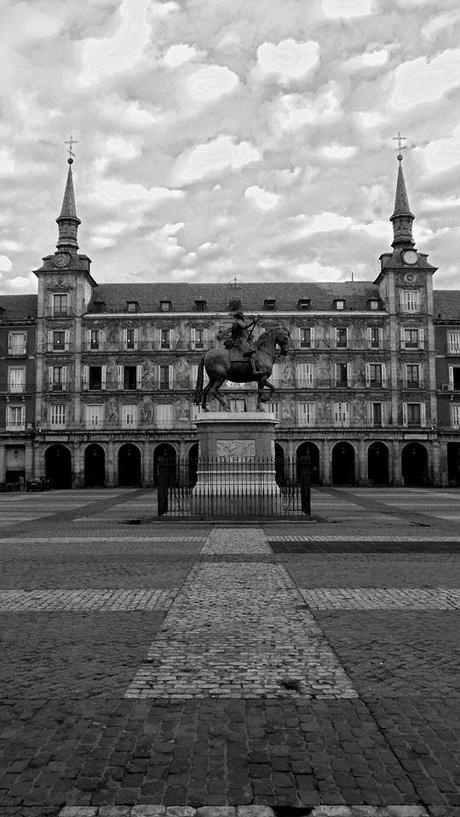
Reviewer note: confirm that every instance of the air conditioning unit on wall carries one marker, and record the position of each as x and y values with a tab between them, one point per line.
446	387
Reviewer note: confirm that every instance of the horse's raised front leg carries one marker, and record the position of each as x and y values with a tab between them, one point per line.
261	397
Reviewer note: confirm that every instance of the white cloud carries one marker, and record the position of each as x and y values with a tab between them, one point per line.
119	147
432	202
179	54
423	81
347	8
7	163
163	9
370	59
5	263
442	154
210	83
213	157
294	111
207	248
436	24
325	222
369	119
261	198
289	59
377	229
8	245
315	271
102	58
129	112
113	193
336	151
20	282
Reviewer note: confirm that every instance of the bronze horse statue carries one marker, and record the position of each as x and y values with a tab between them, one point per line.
223	364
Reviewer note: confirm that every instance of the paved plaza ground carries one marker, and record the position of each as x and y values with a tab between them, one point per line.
177	669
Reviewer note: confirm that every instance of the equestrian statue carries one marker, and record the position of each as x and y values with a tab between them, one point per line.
238	359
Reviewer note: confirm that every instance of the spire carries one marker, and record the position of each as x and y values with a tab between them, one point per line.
402	217
68	221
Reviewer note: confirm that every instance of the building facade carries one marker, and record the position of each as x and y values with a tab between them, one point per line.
97	381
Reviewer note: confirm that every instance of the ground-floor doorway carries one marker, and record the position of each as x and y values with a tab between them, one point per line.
94	466
453	464
129	466
307	456
414	465
377	464
58	466
165	457
343	464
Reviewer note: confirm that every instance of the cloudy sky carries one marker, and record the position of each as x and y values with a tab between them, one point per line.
215	138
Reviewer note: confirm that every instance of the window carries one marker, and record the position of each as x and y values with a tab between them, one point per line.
410	339
454	378
130	338
59	340
339	304
58	378
94	416
373	304
304	303
374	337
200	305
129	416
17	342
341	374
95	377
305	337
374	377
455	415
412	375
165	377
453	343
412	414
304	375
59	305
132	306
270	304
199	338
15	418
410	300
94	338
165	306
16	379
57	416
341	414
305	414
129	377
164	415
341	338
377	415
165	338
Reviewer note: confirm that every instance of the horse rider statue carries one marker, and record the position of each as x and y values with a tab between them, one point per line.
241	339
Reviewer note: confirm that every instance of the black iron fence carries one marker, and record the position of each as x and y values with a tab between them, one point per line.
234	488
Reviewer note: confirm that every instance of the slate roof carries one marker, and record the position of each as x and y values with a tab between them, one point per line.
18	307
446	304
217	296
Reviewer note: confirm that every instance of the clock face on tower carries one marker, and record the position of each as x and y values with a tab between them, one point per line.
409	257
62	260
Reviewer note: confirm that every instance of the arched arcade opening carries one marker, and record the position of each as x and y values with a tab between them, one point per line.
129	466
414	465
377	464
58	466
165	456
307	456
343	464
94	466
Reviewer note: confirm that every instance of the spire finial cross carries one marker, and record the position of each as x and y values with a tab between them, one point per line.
400	139
71	142
235	284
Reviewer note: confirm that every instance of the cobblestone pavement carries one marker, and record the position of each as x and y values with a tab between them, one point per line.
89	604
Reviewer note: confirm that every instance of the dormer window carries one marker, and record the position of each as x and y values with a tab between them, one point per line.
339	304
165	306
270	304
99	306
200	305
304	303
132	306
373	304
234	304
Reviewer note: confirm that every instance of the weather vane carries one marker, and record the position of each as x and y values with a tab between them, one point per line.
235	284
399	139
71	142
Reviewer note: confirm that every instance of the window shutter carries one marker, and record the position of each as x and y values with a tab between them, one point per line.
136	338
139	376
193	375
297	336
192	337
384	375
369	337
66	340
349	374
125	338
421	338
88	338
312	337
402	335
451	378
384	414
171	376
404	414
205	338
368	375
50	376
103	377
370	414
422	414
380	331
101	338
85	376
156	338
120	376
50	341
310	374
64	378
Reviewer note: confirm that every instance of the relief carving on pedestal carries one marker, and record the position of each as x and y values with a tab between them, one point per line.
236	449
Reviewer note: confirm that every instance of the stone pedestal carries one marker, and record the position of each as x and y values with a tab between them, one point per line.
236	465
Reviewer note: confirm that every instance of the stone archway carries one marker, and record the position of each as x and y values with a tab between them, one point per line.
453	464
280	466
94	466
308	454
193	464
377	464
414	465
129	466
58	466
166	453
343	464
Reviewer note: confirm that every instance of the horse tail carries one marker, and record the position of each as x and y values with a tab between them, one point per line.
199	382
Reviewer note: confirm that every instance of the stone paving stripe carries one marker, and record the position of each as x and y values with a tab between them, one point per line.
106	601
395	598
9	540
236	540
333	537
239	811
240	631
